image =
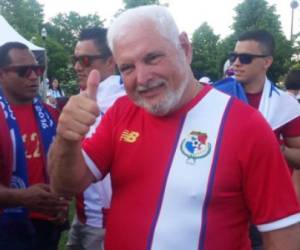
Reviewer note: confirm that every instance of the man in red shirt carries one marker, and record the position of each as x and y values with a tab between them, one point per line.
29	208
190	166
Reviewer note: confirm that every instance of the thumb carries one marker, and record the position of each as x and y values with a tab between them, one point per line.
92	84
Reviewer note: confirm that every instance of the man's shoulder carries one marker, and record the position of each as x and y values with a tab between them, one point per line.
243	112
49	107
124	102
123	107
111	84
53	111
236	102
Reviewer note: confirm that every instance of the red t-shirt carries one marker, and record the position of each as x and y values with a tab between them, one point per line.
138	149
29	129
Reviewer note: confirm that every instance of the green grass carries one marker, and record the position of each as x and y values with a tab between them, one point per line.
64	236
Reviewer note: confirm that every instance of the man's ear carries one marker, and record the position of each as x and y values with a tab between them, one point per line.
110	62
186	46
268	62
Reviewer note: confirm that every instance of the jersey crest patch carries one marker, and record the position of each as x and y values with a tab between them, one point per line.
195	146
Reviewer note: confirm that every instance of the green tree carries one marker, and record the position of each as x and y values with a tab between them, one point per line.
134	3
296	56
225	46
205	52
65	28
58	58
257	14
26	16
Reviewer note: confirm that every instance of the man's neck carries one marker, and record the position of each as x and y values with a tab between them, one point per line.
255	86
16	101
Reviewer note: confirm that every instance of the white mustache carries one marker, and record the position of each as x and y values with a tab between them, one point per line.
150	84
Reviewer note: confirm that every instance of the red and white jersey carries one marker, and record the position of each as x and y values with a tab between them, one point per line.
194	179
89	204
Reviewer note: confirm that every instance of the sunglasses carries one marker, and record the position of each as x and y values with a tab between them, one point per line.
26	70
86	60
244	58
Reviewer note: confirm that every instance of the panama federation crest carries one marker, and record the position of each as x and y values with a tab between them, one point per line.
195	146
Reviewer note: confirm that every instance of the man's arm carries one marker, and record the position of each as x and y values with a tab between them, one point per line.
36	198
67	169
285	238
68	172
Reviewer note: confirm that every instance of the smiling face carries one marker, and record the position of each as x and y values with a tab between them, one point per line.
156	73
17	89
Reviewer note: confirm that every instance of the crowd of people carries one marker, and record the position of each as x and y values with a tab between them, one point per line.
154	158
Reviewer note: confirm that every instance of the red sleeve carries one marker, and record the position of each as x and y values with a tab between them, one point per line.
99	147
267	183
291	129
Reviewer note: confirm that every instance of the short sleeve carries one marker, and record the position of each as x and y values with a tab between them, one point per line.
269	192
99	147
291	129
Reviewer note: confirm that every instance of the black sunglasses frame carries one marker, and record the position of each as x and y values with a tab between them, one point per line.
244	58
26	70
86	60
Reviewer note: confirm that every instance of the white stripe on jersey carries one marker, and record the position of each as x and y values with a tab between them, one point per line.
180	217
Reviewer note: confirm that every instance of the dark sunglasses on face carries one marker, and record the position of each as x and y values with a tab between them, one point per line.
244	58
25	70
86	60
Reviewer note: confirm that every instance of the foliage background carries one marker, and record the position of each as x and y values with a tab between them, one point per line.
209	50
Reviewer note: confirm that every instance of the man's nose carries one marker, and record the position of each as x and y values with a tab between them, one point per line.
143	74
33	75
77	66
236	61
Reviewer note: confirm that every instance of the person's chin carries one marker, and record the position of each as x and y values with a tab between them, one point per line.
239	78
158	107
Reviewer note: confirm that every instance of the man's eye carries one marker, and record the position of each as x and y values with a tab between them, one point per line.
126	68
153	58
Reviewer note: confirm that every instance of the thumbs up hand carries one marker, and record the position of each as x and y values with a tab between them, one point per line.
92	84
80	112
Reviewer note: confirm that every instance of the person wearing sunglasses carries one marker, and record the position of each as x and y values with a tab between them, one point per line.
29	216
190	166
250	60
92	52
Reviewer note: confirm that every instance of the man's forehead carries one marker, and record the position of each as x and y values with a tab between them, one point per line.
86	47
247	46
143	43
21	56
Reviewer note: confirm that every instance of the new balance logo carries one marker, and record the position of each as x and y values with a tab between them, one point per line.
129	136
